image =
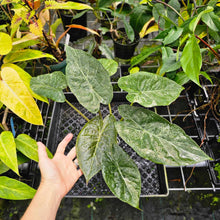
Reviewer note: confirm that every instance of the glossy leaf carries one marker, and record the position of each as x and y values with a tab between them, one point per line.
88	80
28	146
173	35
191	59
155	139
15	190
110	65
24	55
66	5
145	52
8	151
122	176
5	43
15	95
50	85
26	78
149	89
94	139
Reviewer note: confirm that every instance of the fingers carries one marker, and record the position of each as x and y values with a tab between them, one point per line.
62	145
41	151
72	153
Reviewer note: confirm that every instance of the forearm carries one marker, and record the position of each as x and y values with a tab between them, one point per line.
44	205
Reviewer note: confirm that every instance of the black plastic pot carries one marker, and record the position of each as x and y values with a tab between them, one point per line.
125	51
74	33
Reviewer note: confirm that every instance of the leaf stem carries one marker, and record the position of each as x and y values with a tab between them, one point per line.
110	109
212	50
77	110
164	3
100	114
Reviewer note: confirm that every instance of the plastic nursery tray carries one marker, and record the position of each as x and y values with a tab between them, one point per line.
65	120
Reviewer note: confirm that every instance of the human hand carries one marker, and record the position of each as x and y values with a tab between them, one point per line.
59	173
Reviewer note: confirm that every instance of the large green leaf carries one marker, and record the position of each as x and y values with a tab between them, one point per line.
24	55
28	146
173	35
50	85
122	176
88	80
8	151
110	65
26	78
15	95
155	139
145	52
96	137
5	43
15	190
191	59
149	89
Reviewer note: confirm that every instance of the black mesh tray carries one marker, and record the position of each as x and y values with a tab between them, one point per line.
65	120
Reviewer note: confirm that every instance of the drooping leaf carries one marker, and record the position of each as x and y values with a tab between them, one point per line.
5	43
28	146
191	59
94	139
15	190
173	35
26	78
149	89
87	79
50	85
8	151
212	21
24	55
106	51
110	65
51	4
129	30
146	52
15	95
122	176
194	22
155	139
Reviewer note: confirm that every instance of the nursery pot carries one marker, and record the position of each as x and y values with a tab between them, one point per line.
125	51
74	33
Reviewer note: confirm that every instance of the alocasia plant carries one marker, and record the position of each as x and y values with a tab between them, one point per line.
150	135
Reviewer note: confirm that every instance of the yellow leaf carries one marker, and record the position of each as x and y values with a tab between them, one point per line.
26	78
15	95
44	16
5	43
37	28
146	29
15	23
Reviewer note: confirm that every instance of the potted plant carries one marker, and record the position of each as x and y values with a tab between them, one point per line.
150	135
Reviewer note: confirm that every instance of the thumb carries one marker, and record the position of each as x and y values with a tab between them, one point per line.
42	154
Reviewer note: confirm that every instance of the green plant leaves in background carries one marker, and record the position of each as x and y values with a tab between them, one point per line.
149	89
173	35
88	80
50	85
110	65
28	146
155	139
122	176
15	190
5	43
145	52
16	96
191	59
96	137
212	21
24	55
8	151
